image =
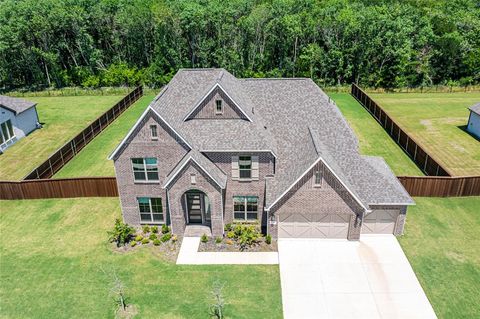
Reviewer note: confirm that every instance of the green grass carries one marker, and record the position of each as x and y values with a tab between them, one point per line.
92	160
53	252
437	121
63	118
372	137
442	245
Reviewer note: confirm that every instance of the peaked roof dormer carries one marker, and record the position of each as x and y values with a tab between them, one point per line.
230	104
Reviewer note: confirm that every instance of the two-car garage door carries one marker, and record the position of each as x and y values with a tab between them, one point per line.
313	225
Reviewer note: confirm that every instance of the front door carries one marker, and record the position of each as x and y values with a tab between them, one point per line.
195	208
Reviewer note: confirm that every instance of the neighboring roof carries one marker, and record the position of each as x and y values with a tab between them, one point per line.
14	104
292	118
475	108
205	164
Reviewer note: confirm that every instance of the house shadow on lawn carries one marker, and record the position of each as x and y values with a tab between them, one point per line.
464	128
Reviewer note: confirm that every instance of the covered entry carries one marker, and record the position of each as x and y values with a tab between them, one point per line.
313	225
380	222
197	207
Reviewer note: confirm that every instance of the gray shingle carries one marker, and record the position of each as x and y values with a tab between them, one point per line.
14	104
475	108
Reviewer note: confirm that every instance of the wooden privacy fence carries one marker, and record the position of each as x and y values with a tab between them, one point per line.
441	186
423	160
65	153
59	188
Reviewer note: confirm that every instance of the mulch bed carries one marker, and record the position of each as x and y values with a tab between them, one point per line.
211	246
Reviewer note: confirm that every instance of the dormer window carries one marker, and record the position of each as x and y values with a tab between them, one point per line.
153	132
218	107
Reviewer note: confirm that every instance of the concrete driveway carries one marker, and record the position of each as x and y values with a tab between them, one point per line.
328	278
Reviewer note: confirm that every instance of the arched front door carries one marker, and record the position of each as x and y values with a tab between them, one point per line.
198	207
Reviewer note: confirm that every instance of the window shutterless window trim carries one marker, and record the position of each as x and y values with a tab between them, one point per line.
317	178
244	201
153	209
154	132
247	169
7	132
218	103
149	170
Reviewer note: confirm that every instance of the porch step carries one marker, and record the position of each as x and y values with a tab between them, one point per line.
197	231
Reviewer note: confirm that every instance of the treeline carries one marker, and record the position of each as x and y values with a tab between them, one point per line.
377	43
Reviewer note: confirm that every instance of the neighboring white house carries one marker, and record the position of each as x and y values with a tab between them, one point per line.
474	120
18	118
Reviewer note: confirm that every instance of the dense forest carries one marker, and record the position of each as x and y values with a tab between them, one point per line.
377	43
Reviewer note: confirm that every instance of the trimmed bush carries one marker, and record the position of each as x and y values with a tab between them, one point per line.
231	235
152	236
166	237
121	234
154	229
145	241
268	239
218	240
146	229
156	242
204	238
133	243
165	229
228	227
138	238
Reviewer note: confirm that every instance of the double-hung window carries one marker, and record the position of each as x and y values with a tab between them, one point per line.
245	166
151	210
218	107
153	132
318	178
145	169
6	132
245	208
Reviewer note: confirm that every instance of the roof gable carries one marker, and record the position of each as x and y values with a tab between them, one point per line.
149	111
14	104
217	88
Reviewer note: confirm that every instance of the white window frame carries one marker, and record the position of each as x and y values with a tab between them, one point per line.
151	221
218	102
154	129
245	211
145	170
193	178
10	137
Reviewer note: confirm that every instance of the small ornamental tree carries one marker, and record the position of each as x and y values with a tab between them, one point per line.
218	304
121	234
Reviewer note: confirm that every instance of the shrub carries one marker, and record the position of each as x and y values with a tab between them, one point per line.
204	238
138	238
145	241
229	242
246	235
146	229
268	239
133	243
121	234
156	242
174	238
165	229
231	235
218	240
166	237
152	236
228	227
154	229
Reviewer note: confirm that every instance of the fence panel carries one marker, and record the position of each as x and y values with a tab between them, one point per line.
441	186
59	188
65	153
423	160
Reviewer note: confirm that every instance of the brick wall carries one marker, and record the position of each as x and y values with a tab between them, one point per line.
141	145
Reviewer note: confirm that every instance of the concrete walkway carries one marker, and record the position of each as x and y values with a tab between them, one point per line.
189	255
328	278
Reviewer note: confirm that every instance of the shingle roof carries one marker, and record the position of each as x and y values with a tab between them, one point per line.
475	108
14	104
293	118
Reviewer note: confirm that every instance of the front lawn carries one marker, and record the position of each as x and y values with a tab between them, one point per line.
92	160
53	252
437	121
372	137
441	242
62	117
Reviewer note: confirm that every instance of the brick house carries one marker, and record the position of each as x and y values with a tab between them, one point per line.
212	149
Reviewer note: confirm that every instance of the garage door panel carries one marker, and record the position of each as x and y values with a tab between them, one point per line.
380	222
313	225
